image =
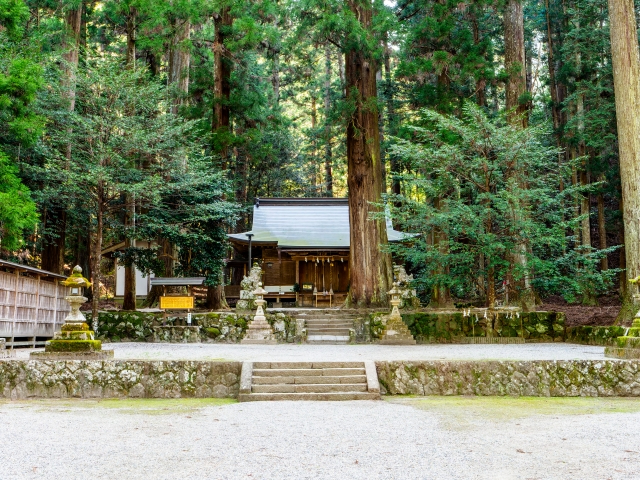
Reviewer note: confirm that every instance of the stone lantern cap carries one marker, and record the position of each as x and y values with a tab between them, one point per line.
76	279
395	290
259	291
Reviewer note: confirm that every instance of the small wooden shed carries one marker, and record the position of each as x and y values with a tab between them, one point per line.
32	304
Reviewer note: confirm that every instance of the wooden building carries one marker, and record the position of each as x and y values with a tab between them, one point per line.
32	304
303	247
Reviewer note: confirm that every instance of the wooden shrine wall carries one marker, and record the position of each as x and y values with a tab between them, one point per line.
336	277
31	309
278	271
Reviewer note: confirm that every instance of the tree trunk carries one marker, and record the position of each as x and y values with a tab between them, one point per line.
179	60
514	62
626	80
56	216
221	121
129	300
602	228
370	268
96	258
394	167
328	160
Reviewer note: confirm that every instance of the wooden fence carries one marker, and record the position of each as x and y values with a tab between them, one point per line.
32	308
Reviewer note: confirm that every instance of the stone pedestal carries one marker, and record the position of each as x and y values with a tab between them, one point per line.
628	346
75	341
259	331
396	331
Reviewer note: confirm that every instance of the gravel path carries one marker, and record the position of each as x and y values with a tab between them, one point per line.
297	353
316	440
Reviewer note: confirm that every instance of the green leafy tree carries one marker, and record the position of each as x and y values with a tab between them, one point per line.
467	164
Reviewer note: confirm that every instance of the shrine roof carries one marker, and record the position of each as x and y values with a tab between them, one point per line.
304	223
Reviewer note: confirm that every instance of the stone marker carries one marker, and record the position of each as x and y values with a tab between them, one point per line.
396	331
259	331
75	341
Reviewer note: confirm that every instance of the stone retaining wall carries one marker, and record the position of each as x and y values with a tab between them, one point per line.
594	335
118	379
203	379
586	378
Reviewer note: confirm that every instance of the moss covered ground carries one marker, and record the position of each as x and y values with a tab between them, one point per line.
467	410
149	406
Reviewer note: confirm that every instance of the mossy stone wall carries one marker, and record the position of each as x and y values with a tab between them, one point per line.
593	335
118	379
222	327
584	378
449	327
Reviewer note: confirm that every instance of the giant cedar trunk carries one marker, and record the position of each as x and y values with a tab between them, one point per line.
328	160
514	62
370	267
221	118
56	217
626	80
179	61
514	59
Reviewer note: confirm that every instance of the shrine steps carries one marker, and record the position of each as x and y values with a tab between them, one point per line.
328	327
268	381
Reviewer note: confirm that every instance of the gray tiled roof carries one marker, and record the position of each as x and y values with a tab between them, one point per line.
304	222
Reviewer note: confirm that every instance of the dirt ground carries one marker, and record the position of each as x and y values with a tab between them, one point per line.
603	314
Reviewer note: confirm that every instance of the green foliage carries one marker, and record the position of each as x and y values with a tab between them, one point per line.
17	209
13	15
489	188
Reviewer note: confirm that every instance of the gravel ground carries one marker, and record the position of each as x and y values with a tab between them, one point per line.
401	439
306	353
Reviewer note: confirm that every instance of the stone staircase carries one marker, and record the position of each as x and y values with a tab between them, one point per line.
328	326
262	381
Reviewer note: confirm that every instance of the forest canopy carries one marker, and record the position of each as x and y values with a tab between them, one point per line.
486	128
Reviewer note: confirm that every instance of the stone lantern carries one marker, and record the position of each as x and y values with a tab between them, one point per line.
396	331
75	340
259	331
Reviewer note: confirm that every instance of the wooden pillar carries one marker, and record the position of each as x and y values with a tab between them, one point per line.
55	305
35	319
297	278
15	309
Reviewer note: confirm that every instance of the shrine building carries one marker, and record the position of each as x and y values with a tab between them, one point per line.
302	245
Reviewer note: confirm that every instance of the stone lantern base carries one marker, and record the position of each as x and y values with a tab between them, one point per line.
259	332
396	332
74	342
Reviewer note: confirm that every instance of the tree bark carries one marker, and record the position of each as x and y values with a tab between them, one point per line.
56	216
370	268
626	80
96	255
602	227
179	61
221	124
514	62
328	160
129	300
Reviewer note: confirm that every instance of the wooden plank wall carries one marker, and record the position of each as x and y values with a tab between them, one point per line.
30	307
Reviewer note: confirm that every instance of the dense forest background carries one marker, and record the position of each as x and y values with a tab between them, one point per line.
160	121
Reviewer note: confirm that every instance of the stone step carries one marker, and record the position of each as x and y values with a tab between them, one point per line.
333	396
324	339
310	388
328	331
317	379
294	365
307	372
